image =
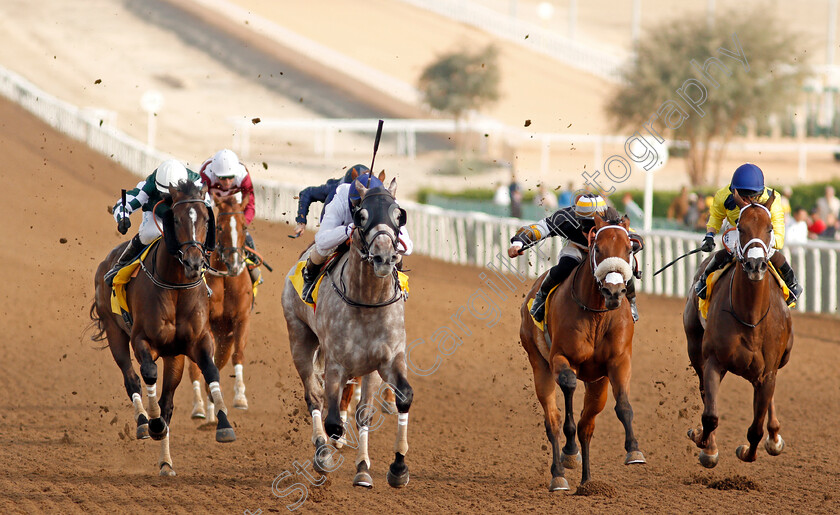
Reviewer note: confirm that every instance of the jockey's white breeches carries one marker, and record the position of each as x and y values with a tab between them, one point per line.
571	250
148	230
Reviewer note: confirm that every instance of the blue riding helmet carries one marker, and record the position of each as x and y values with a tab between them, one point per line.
359	169
374	183
748	179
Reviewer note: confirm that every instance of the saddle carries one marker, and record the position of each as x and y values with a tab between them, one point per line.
541	325
703	304
119	306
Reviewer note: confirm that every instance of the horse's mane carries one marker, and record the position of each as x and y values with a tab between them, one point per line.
612	216
189	189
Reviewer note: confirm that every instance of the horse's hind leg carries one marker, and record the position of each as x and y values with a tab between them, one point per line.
198	399
593	403
567	380
546	388
395	375
619	375
774	443
346	397
762	398
202	354
149	372
118	342
173	369
364	413
303	343
240	333
705	437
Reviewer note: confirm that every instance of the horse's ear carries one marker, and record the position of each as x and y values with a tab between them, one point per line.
392	188
740	202
599	220
210	238
353	174
770	199
361	189
382	176
625	222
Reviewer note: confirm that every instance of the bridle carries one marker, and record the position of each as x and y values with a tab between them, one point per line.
741	254
233	250
180	255
364	242
593	238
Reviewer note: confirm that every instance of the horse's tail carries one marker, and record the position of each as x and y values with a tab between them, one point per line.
96	322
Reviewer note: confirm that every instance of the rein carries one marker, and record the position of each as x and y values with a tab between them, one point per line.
594	267
343	294
221	248
739	255
731	309
170	286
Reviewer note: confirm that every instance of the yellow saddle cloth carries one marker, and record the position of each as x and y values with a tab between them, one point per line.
714	276
126	273
296	278
541	325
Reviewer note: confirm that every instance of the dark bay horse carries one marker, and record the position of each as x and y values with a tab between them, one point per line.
168	302
588	336
359	328
230	302
748	332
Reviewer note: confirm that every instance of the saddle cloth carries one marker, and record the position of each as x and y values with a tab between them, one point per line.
714	276
296	279
541	325
126	273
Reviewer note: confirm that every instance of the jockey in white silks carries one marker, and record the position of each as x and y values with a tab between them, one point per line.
337	227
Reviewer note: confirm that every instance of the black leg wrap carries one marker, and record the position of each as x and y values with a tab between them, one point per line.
157	428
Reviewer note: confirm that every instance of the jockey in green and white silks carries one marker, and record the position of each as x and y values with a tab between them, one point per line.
145	196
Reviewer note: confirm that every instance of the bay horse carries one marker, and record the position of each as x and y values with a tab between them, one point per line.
230	302
748	332
358	327
588	335
170	310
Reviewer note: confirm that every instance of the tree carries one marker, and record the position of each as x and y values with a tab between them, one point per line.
459	82
672	55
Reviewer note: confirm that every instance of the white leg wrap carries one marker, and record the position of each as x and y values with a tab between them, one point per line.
237	370
216	394
401	445
197	385
164	450
137	401
317	426
362	453
154	407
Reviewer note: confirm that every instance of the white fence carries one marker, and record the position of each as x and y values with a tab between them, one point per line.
452	236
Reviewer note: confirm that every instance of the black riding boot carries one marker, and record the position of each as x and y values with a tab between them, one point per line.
719	259
253	271
309	273
790	279
631	298
554	277
131	250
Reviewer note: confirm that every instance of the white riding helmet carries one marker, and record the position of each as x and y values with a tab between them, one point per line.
170	173
225	163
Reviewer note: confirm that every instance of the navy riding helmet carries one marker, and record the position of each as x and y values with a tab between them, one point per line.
748	179
359	169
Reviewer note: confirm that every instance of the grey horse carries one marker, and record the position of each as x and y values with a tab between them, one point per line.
359	325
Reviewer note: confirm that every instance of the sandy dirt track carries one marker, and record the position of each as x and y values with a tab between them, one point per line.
476	433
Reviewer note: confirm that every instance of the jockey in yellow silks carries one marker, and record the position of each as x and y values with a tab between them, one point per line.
748	180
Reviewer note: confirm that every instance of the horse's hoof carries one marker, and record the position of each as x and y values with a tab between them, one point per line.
570	461
224	431
709	460
158	429
398	481
240	402
166	470
198	412
693	435
143	432
364	479
634	457
558	483
322	463
774	448
338	444
742	451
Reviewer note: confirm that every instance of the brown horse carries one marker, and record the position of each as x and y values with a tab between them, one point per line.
748	332
230	302
168	302
588	336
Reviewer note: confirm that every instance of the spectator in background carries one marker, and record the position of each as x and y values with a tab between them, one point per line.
515	191
785	198
831	226
828	203
816	225
632	210
797	228
567	197
502	195
546	199
698	213
679	206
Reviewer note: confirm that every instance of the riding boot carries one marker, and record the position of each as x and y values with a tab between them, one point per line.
719	259
309	273
131	250
554	277
631	298
790	279
256	275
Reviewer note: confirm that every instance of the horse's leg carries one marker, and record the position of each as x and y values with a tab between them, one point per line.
546	388
202	354
240	340
364	414
593	403
334	378
303	343
198	399
565	377
173	369
149	372
346	398
774	443
395	375
221	355
619	375
705	437
762	397
118	342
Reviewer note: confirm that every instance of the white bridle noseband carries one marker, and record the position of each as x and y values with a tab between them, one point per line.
762	253
612	270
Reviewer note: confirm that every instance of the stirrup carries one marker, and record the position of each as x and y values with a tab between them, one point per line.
634	311
110	274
